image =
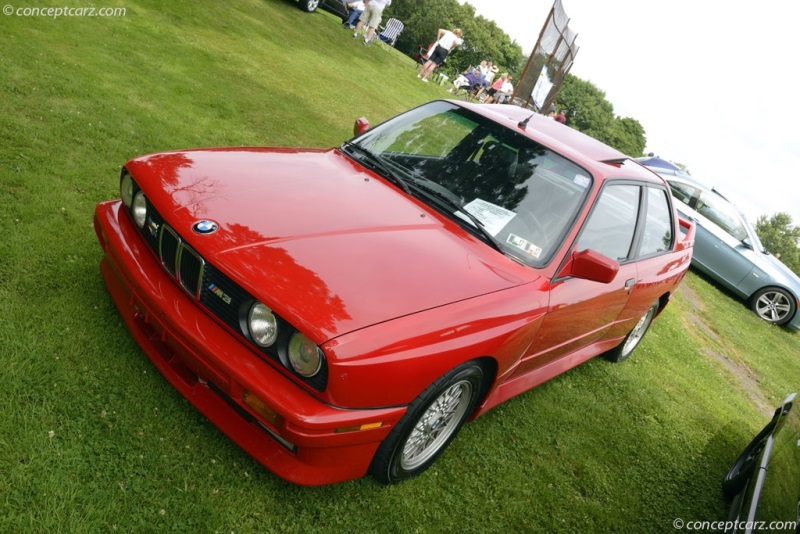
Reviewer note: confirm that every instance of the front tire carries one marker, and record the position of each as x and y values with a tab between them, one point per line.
631	341
774	305
431	423
309	5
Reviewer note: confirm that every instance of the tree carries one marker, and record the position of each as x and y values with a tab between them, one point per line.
627	136
586	107
483	39
781	238
588	110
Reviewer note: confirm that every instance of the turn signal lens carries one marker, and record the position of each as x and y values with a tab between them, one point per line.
365	426
261	408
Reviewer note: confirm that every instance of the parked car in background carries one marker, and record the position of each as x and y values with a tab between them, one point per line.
763	484
344	311
728	250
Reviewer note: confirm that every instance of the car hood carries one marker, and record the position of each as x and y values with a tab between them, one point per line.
328	245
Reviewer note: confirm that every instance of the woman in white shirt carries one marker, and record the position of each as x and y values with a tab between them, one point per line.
446	41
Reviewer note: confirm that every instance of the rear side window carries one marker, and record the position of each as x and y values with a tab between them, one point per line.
657	234
721	212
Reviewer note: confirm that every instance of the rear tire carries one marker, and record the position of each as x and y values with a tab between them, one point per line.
774	305
431	423
631	341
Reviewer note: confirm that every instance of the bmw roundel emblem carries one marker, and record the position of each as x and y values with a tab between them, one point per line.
205	227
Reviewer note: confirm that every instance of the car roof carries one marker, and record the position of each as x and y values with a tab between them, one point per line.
684	176
598	157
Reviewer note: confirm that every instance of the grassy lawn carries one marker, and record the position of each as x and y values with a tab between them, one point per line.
92	438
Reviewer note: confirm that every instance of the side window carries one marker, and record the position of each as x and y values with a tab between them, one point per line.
719	211
610	227
683	192
657	235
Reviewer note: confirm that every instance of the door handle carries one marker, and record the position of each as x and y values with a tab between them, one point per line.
629	283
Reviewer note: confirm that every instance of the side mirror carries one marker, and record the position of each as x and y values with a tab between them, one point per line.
746	242
361	126
591	265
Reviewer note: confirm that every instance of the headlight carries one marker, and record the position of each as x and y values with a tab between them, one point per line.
139	209
304	355
126	189
262	324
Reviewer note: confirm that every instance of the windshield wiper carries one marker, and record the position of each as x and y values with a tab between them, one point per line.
371	159
459	209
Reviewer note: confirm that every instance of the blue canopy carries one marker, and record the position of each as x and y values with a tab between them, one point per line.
655	161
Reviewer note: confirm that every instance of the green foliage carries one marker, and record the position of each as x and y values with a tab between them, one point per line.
588	111
483	39
627	135
585	105
93	439
781	238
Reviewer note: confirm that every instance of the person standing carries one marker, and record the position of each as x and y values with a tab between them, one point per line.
446	41
372	15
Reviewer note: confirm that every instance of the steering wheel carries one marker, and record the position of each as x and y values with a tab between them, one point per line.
538	233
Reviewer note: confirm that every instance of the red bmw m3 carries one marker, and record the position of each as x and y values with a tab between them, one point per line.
341	312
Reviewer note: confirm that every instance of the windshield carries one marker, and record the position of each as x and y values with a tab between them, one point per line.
523	195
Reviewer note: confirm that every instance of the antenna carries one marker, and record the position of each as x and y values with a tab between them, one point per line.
524	123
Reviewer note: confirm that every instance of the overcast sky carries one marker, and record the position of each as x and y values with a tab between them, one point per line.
713	83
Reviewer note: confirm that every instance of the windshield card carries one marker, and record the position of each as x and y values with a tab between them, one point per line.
492	217
524	245
582	181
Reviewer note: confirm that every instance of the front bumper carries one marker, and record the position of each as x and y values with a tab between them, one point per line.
308	443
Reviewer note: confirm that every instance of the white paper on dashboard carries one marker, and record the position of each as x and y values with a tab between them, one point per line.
494	218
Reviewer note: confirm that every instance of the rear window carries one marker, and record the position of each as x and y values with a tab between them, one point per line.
657	234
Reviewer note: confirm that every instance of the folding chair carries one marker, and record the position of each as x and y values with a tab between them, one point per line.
391	31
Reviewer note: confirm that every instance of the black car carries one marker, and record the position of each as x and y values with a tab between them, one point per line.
764	482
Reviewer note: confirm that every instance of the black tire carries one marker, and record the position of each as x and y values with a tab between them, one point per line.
742	469
309	5
774	305
631	341
432	421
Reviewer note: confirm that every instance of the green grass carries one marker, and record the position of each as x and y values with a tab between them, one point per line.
92	438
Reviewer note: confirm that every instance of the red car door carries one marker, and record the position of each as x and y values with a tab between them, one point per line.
581	312
656	277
